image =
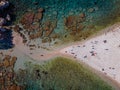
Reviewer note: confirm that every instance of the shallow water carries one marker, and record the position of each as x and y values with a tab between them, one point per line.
59	9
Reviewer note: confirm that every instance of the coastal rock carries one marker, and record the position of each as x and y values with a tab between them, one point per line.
27	18
40	10
34	26
2	80
82	15
31	24
1	64
6	60
54	36
14	87
13	60
74	23
38	17
7	74
16	28
49	27
6	63
70	21
91	10
34	36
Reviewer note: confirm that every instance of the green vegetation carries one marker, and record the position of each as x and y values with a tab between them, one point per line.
60	74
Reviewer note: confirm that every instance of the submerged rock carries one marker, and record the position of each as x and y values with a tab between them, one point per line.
74	23
27	18
91	10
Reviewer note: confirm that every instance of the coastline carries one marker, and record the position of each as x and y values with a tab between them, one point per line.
105	78
86	32
23	54
104	58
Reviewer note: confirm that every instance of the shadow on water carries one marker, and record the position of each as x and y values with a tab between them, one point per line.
5	34
5	39
9	10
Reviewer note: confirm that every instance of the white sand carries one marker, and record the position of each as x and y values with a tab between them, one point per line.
106	55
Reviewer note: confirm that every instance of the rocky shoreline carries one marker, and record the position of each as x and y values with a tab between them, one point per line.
37	34
7	74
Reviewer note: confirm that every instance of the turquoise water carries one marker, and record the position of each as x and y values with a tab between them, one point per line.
106	10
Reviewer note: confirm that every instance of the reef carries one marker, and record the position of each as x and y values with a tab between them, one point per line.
74	23
57	20
31	26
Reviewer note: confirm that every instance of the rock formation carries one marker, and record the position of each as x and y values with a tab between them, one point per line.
74	23
7	74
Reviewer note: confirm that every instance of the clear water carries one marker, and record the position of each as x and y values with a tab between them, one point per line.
105	11
59	9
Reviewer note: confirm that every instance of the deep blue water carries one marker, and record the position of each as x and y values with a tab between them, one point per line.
5	39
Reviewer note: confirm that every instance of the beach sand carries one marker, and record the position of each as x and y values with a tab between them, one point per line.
101	53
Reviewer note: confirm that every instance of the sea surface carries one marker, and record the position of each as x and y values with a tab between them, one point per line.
104	11
98	12
5	39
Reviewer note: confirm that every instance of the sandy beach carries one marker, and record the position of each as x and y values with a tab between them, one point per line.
101	53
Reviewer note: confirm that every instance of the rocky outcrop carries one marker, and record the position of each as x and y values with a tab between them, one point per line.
34	27
38	16
7	74
27	19
31	23
74	23
49	27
